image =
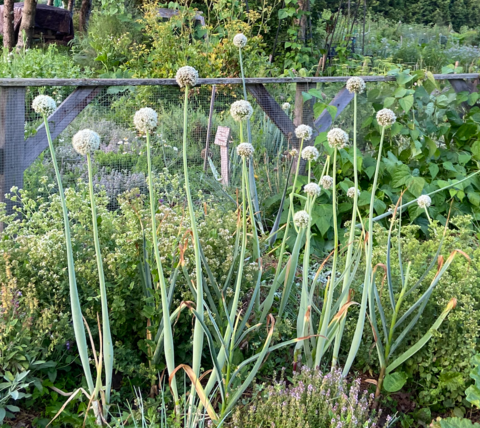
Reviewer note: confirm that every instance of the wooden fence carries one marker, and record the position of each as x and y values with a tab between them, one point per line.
18	153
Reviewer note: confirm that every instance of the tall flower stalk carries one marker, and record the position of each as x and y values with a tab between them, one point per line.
45	106
355	85
337	139
385	118
240	41
187	78
146	120
86	142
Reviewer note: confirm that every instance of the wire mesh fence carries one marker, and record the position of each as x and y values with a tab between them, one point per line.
120	164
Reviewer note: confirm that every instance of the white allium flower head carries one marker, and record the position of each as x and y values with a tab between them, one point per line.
386	117
312	189
240	40
186	76
303	132
245	150
424	201
241	110
326	182
44	105
286	106
337	138
351	192
145	119
356	85
86	141
301	219
310	153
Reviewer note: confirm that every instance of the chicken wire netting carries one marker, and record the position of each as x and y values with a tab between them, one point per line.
121	162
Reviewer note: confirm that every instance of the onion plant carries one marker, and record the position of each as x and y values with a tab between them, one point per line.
45	106
86	142
386	338
146	120
385	119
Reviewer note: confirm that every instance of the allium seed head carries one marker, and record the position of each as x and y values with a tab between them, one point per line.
386	117
286	106
356	85
424	201
303	132
301	219
241	110
245	150
44	105
86	141
240	40
326	182
312	189
310	153
351	192
145	120
186	76
293	153
337	138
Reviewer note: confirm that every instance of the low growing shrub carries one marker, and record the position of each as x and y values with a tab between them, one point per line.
312	400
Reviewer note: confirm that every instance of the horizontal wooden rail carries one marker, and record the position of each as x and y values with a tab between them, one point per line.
220	81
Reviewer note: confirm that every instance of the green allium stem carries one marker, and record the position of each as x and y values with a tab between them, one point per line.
368	269
77	317
351	238
326	312
106	333
168	334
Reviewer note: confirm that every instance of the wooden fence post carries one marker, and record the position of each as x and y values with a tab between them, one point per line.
12	140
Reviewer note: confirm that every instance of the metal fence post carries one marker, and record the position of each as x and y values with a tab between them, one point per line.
12	140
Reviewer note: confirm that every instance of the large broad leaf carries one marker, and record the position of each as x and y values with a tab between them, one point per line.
406	103
400	176
476	150
456	423
322	217
394	382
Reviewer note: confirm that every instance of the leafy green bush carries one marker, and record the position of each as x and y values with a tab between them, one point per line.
35	246
439	373
454	423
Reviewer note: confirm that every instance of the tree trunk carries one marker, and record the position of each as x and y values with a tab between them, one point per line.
303	6
85	10
50	3
71	7
8	31
27	27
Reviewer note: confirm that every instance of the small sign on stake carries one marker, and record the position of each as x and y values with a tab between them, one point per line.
222	138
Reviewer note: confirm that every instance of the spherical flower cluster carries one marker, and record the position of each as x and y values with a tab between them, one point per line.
286	106
293	153
301	219
186	76
386	117
145	119
240	40
312	189
424	201
303	132
245	150
337	138
86	141
44	105
241	110
356	85
326	182
310	153
351	192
